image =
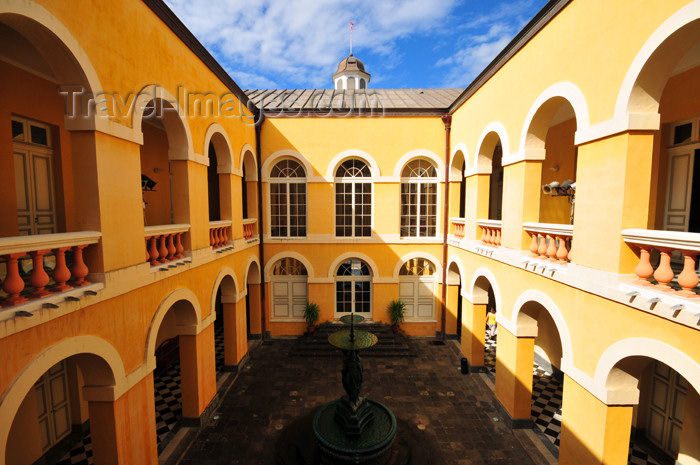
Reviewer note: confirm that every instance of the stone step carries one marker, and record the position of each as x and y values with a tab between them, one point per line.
388	344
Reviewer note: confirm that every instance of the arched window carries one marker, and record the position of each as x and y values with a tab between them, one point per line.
353	199
362	84
351	83
289	289
417	289
419	199
288	200
353	288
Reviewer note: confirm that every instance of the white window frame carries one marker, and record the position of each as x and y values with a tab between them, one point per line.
352	280
286	181
353	181
419	182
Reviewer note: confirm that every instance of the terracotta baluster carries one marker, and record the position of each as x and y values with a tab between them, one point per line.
486	235
80	269
39	278
562	253
148	256
13	284
217	237
225	231
644	270
211	236
533	245
171	248
664	273
498	237
688	279
552	248
542	250
153	250
61	274
162	250
178	245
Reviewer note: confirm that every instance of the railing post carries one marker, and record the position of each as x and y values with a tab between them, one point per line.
162	250
13	284
39	278
171	248
688	278
61	274
178	246
551	248
153	250
80	269
542	240
664	273
644	270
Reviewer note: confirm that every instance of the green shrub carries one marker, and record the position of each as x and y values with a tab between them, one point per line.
311	313
397	311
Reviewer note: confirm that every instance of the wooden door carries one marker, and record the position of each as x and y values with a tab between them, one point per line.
666	408
679	188
418	293
289	296
51	392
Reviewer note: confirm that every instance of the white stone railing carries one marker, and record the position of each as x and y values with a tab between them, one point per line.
550	241
249	228
490	232
41	248
164	243
219	232
666	242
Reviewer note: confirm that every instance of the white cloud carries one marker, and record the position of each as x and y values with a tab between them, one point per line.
301	41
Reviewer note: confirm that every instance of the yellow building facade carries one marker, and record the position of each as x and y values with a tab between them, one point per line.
149	203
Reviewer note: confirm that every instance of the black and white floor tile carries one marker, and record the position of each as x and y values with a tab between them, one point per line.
168	400
547	398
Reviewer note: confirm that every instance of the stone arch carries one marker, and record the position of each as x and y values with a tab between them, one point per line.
494	132
346	256
58	47
637	102
287	254
229	285
620	387
280	154
250	162
522	325
436	263
537	122
459	156
359	154
216	134
453	260
479	293
426	154
252	271
106	370
176	127
189	317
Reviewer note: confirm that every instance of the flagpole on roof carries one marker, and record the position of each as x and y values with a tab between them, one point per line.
351	25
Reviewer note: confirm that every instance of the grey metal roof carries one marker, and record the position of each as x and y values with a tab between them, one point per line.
284	101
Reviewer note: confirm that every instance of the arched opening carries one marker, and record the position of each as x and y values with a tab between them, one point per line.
252	302
663	430
353	199
453	305
489	163
547	377
417	289
290	290
485	315
457	167
53	422
419	199
351	83
249	195
552	132
363	84
230	327
353	288
169	372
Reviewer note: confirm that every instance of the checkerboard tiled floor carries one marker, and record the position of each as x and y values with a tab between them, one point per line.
168	400
547	398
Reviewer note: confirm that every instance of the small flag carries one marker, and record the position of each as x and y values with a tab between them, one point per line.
351	25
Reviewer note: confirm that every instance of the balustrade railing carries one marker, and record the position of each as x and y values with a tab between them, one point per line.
550	241
458	227
164	243
52	252
219	232
490	232
687	245
249	228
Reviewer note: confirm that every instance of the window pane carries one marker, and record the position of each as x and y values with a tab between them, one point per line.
39	135
682	133
17	130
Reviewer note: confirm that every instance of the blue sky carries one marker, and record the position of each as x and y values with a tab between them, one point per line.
297	44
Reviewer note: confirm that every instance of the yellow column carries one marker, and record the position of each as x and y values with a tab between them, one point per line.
592	432
689	453
477	204
623	164
235	331
521	186
197	371
124	431
254	307
473	333
515	357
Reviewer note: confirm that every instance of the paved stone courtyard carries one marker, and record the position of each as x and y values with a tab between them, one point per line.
454	412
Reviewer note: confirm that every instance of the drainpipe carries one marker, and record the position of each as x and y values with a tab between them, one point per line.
447	121
261	250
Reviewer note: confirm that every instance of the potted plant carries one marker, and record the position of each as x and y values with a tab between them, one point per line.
311	313
397	311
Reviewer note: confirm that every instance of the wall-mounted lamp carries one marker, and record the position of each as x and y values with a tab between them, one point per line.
147	184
